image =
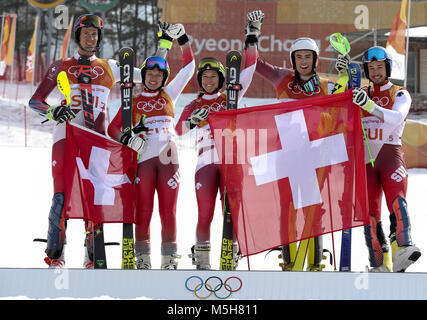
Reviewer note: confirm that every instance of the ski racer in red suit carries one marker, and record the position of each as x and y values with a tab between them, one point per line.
104	73
300	82
385	108
211	77
158	167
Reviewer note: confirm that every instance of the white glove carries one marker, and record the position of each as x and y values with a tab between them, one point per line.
361	98
255	20
342	63
173	30
136	143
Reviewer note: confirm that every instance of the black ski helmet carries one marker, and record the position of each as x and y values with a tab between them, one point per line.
87	20
376	53
210	63
159	63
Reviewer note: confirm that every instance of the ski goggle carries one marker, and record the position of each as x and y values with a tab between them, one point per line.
88	21
210	64
374	54
311	84
158	62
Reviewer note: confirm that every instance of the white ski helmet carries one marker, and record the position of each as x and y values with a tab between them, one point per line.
305	44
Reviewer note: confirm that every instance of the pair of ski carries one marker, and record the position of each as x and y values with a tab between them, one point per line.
95	233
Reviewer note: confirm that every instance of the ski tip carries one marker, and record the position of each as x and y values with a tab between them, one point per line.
39	240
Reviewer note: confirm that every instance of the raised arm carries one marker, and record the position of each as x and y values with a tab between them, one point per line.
271	73
175	87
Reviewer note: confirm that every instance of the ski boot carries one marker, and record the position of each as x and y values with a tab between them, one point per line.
142	255
170	262
56	233
88	259
315	255
404	253
404	256
88	262
56	263
237	256
386	265
142	261
200	255
288	254
379	256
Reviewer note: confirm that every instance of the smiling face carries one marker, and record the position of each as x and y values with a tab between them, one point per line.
210	80
88	40
377	72
304	62
153	79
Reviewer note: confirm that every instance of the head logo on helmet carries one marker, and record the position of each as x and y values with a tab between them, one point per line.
155	62
87	20
376	53
304	44
210	63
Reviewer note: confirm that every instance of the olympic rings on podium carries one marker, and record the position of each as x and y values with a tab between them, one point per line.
213	285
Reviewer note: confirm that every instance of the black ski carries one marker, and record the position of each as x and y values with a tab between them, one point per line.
95	232
126	60
233	61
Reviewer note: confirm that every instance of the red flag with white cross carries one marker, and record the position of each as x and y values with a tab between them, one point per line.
292	170
99	174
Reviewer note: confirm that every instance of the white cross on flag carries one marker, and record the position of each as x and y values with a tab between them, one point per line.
99	177
292	170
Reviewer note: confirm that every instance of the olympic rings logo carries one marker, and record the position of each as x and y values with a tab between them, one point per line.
213	285
96	71
216	107
152	105
382	102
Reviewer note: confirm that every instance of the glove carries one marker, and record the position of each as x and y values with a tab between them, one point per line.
60	114
342	63
140	127
253	26
165	41
136	143
196	117
360	97
174	31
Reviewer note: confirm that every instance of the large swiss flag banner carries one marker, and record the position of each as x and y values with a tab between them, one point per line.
292	170
99	175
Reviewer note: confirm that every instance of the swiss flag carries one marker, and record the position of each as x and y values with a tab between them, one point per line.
99	175
292	170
